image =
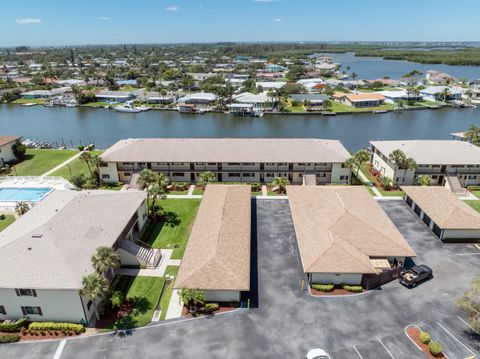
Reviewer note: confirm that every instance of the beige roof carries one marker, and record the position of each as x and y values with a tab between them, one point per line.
443	207
434	152
217	256
339	228
5	140
51	245
289	150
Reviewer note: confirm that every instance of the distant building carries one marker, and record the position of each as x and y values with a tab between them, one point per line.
359	100
44	94
436	93
436	77
115	96
198	98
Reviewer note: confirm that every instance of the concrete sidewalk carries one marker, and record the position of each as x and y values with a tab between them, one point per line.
369	184
54	169
156	272
175	306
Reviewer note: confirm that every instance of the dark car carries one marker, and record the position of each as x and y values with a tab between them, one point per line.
417	274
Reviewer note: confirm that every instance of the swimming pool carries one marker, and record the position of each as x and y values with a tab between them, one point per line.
27	194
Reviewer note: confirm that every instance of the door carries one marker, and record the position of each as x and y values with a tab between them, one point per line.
443	169
219	177
440	180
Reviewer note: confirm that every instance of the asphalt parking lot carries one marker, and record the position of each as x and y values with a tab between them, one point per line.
288	321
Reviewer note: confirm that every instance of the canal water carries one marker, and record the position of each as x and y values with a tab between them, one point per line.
75	126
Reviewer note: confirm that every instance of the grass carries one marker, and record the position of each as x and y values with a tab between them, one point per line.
95	104
371	178
167	294
145	294
8	220
76	167
391	193
295	109
339	108
37	162
174	232
474	204
22	101
476	193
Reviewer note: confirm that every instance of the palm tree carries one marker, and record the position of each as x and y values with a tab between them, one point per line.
95	287
156	192
424	181
207	177
356	161
445	94
401	161
192	297
281	183
105	259
354	76
87	158
472	135
162	180
146	180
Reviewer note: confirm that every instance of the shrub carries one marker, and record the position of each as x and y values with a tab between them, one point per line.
9	338
78	180
81	148
13	327
117	298
64	327
353	288
435	348
323	287
424	337
211	307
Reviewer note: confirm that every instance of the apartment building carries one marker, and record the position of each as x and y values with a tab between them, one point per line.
444	161
231	160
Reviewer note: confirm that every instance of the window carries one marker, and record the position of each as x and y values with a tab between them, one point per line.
178	174
26	292
269	174
234	174
177	163
32	311
105	176
434	177
270	164
343	178
472	177
249	164
249	174
212	164
233	164
127	163
103	164
2	310
199	163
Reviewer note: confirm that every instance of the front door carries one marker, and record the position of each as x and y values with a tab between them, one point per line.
440	180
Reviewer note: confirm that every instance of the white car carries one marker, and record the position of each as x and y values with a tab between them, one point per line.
317	354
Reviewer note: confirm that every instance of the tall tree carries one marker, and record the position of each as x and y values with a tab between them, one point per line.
95	287
472	135
105	259
207	177
281	183
146	180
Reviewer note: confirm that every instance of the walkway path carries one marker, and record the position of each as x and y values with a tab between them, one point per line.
155	272
175	306
190	190
54	169
264	191
369	184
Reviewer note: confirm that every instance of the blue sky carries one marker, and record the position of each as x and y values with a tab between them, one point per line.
55	22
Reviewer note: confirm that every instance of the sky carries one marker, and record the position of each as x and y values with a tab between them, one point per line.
58	23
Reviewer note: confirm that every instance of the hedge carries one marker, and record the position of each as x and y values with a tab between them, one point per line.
323	287
211	307
353	288
64	327
424	337
9	338
435	348
13	327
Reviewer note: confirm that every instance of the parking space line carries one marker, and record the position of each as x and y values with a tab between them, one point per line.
58	352
358	352
468	325
408	336
388	351
456	339
477	246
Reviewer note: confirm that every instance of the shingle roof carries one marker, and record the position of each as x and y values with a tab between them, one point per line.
5	140
50	246
443	207
217	256
360	96
439	152
339	228
290	150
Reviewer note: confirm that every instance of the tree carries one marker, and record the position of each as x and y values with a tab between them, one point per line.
146	180
354	76
281	183
469	303
95	287
401	161
86	157
445	93
105	259
19	151
424	181
472	135
21	208
356	161
156	192
296	72
207	177
192	297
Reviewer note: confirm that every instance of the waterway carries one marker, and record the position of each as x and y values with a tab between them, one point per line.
74	126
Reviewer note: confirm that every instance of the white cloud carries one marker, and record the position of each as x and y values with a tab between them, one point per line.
173	8
278	19
103	18
28	20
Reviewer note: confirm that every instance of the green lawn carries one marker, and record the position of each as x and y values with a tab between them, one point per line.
174	232
145	294
338	107
22	101
95	104
76	167
37	162
474	204
167	294
4	223
476	193
391	193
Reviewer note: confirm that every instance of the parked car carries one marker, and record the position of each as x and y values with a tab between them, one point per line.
417	274
317	354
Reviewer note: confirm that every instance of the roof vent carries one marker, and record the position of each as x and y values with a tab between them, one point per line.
37	235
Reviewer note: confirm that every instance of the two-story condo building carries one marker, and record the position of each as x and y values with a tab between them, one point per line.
231	160
446	162
6	151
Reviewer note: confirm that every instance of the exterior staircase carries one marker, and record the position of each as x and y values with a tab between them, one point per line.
146	255
454	184
133	181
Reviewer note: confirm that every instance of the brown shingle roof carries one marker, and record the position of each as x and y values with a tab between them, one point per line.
226	150
443	207
360	96
5	140
217	256
339	228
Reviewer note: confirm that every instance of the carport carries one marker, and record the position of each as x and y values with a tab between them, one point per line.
449	218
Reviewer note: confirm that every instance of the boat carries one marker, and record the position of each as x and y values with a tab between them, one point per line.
190	109
127	107
29	104
377	112
257	113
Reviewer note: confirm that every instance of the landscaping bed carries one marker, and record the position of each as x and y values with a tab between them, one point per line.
374	177
415	334
23	329
222	307
335	290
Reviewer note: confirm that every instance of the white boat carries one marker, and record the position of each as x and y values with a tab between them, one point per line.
127	107
257	113
29	104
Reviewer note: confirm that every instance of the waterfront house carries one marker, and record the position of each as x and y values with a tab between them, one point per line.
309	99
230	159
258	100
217	256
6	151
455	164
44	94
437	78
198	98
345	237
400	95
115	96
359	100
46	253
437	93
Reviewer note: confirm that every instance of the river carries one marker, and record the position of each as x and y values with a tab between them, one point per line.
83	125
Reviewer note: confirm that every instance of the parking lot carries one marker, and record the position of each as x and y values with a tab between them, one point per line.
288	321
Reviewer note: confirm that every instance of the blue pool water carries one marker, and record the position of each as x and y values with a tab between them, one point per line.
22	194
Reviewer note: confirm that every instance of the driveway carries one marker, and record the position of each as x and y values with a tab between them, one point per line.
288	321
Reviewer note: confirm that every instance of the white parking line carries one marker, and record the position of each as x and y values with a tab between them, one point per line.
358	352
388	351
58	352
468	325
456	339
